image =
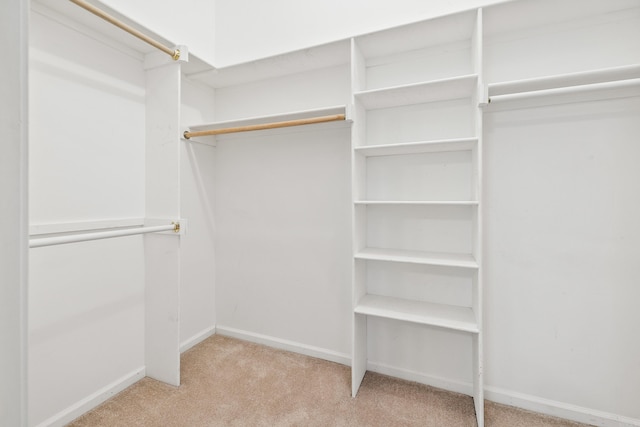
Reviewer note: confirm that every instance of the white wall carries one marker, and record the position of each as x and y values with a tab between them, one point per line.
562	256
283	217
247	30
87	147
185	22
13	249
283	238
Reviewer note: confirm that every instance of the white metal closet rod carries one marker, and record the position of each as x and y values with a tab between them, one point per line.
262	126
173	53
85	237
565	80
571	90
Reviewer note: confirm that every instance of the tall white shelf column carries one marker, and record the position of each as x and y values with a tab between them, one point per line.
417	156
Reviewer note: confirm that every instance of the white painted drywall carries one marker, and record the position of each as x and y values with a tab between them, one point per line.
13	249
185	22
562	204
283	237
86	300
247	30
282	216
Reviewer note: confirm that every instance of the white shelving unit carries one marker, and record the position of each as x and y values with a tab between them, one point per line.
417	141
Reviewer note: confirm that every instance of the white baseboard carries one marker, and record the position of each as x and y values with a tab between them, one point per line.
558	409
197	339
307	350
88	403
494	394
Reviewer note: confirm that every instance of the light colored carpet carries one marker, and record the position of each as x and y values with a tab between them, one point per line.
228	382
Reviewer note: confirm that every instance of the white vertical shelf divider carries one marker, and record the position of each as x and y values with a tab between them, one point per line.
477	299
162	251
358	135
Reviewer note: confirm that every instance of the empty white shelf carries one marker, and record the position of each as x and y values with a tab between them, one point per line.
418	202
425	313
295	115
435	146
419	93
565	80
418	257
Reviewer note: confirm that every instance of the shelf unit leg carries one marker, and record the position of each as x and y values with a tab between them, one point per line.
478	383
359	359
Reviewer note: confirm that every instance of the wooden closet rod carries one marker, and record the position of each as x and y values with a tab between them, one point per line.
173	53
262	126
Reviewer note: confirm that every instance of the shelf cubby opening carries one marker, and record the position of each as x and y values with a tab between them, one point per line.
451	119
440	176
429	232
417	52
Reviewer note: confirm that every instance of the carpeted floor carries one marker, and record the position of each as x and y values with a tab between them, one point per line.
227	382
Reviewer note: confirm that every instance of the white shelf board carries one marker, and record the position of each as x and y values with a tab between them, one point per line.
602	75
418	257
419	93
418	202
436	146
280	117
294	115
312	58
425	313
565	95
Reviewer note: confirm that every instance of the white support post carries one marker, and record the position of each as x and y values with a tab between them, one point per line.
13	211
477	304
162	252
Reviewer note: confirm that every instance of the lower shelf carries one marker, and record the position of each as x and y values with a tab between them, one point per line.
425	313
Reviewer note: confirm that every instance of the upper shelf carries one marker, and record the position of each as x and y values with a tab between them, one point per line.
275	118
565	80
614	82
419	93
312	58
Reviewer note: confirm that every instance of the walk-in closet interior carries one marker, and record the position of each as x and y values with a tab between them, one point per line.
444	192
